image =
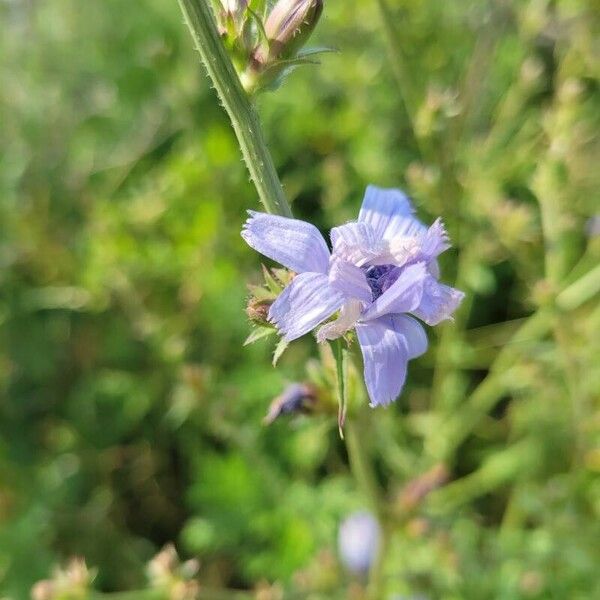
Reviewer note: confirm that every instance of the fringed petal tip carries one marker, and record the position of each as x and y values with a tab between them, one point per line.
436	239
438	303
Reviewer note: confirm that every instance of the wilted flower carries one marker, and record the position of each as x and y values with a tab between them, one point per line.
382	268
358	541
296	398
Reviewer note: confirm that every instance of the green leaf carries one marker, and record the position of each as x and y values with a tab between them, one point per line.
259	333
262	34
314	51
279	350
271	282
285	276
260	292
341	362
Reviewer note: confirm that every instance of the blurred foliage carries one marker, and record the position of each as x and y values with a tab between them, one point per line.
130	412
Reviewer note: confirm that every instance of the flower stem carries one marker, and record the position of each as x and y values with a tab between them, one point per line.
361	467
200	21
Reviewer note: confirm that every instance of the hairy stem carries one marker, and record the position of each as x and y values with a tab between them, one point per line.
200	20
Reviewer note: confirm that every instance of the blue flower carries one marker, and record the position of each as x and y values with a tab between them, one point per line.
358	541
382	268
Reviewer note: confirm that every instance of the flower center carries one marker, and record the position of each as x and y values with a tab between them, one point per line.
381	277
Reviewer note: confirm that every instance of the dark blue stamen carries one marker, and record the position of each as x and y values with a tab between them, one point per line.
381	277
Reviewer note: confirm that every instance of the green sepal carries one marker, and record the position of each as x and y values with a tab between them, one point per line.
279	350
259	333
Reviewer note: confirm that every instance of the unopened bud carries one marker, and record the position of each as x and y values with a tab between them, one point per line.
358	541
258	310
234	6
290	24
230	18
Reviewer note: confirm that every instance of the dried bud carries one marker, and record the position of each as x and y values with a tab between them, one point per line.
417	489
258	310
290	24
43	590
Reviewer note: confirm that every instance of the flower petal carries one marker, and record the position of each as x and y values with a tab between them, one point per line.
385	357
435	240
295	244
305	303
438	302
404	295
349	279
346	320
356	243
412	330
390	213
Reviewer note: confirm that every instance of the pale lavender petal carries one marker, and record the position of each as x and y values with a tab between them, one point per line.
438	302
404	295
305	303
349	279
346	320
385	357
412	330
358	541
436	240
295	244
390	213
356	243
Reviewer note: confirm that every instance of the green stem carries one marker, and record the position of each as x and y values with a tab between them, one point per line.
200	20
442	444
360	465
401	72
154	594
582	290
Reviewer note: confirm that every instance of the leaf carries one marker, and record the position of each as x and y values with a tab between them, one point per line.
259	333
284	276
314	51
257	6
341	362
271	282
260	292
262	34
279	350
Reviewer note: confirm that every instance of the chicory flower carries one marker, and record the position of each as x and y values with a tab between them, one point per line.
381	273
358	541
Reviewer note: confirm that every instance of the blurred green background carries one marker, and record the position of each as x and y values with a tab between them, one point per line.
131	414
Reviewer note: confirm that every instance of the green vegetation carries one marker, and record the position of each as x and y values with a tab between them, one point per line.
130	411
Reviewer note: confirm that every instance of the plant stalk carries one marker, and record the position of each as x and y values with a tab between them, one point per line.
200	21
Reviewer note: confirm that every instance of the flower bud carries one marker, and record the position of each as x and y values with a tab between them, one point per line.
258	311
358	542
234	6
290	24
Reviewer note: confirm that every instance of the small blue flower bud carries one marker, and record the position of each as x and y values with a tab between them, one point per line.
358	542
